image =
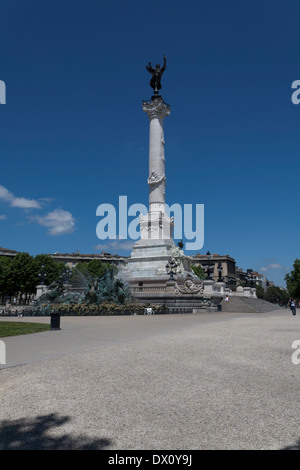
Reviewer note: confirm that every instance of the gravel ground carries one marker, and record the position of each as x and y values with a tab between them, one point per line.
180	382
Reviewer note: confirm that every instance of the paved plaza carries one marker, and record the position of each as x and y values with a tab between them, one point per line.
184	382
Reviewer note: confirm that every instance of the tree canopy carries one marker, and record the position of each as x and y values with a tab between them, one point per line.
293	280
20	275
52	269
276	294
199	271
84	273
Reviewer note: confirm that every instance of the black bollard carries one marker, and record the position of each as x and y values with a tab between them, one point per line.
55	321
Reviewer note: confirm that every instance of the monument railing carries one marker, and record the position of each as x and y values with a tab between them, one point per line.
149	289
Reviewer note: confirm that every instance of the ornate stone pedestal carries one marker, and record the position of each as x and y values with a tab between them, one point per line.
208	287
220	287
40	290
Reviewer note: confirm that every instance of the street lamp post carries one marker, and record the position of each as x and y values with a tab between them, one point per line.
249	278
65	275
220	269
42	275
209	264
171	270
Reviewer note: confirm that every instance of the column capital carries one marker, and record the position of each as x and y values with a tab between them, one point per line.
156	108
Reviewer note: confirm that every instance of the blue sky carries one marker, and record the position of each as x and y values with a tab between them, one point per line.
73	134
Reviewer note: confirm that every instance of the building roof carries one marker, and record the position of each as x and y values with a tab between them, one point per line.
85	255
8	250
102	255
213	255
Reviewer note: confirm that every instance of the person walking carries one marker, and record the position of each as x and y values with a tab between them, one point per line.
293	306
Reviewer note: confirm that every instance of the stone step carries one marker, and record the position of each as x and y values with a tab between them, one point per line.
247	305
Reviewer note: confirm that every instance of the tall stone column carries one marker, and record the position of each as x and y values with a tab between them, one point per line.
157	110
156	224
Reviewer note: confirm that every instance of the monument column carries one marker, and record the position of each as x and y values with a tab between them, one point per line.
157	110
156	224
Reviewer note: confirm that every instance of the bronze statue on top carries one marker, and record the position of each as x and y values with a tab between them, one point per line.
155	82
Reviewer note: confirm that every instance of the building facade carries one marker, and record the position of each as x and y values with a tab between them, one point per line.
226	262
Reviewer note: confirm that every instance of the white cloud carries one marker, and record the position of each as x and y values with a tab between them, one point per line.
46	200
58	222
5	194
272	266
14	201
25	203
276	266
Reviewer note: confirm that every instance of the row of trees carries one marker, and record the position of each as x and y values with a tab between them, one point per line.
20	275
274	294
293	280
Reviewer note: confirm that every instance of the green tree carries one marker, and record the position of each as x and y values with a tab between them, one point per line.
80	276
293	280
198	270
276	294
97	268
260	292
52	269
22	275
5	266
84	273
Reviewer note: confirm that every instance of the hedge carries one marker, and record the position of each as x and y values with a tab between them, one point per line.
106	308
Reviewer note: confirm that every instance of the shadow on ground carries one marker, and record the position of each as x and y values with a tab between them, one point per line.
295	446
24	434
